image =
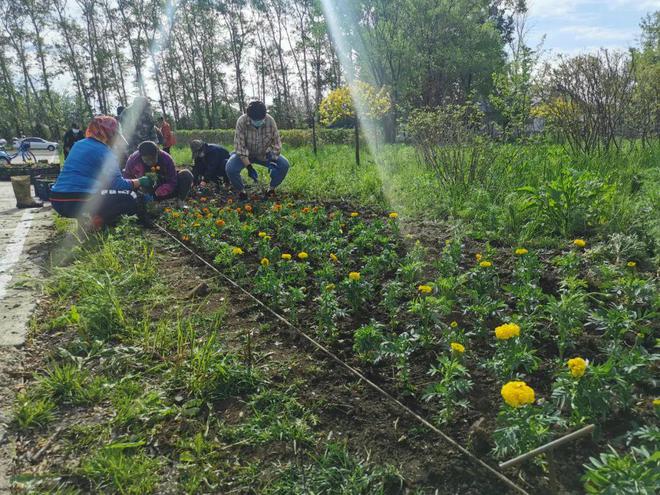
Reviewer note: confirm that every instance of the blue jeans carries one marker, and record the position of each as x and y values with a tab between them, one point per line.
278	170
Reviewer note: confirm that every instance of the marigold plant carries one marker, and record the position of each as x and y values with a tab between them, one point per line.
507	331
517	393
456	347
577	366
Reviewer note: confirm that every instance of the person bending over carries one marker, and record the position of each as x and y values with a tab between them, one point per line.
210	161
90	181
257	140
169	183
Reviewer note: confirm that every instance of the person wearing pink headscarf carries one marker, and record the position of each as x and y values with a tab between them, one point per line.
91	181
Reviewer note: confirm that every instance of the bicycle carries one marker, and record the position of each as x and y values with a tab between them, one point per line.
24	150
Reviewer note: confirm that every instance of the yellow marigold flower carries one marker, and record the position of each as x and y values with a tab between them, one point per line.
248	208
237	251
354	214
267	238
425	289
185	238
577	366
334	258
506	331
330	287
168	210
394	215
306	209
521	252
196	224
286	256
455	346
176	214
656	402
265	262
220	222
580	243
517	394
478	256
354	276
453	324
277	207
262	234
303	255
485	264
631	264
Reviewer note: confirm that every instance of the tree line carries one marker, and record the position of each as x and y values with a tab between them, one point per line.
201	61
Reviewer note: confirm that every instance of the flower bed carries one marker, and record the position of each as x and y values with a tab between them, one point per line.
535	343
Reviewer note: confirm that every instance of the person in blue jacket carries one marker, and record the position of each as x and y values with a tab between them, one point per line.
91	181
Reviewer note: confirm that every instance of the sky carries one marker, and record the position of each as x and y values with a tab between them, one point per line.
578	26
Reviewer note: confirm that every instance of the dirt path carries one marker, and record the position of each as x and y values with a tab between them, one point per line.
23	250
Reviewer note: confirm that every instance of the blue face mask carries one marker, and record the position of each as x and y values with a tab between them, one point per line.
258	123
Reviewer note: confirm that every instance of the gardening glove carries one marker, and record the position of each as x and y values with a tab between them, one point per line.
271	167
145	182
252	173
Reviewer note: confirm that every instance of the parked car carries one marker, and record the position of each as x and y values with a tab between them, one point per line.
37	143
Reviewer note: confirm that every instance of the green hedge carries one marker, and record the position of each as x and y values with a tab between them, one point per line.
290	137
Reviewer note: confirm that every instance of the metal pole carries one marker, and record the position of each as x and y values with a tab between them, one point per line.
548	446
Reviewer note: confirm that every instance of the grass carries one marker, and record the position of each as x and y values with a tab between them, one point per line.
492	207
141	383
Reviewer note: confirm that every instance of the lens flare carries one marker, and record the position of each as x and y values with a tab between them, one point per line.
341	20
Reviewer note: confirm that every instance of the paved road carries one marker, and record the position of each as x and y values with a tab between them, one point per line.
51	156
23	237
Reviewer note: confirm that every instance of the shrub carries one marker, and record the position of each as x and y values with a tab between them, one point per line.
290	137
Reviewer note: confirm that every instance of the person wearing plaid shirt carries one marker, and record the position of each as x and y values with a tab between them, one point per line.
256	140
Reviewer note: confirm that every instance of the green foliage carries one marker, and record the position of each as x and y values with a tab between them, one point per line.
32	412
571	204
336	470
450	391
636	472
368	341
520	429
294	138
121	468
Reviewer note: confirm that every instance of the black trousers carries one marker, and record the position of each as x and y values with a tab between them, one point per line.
108	204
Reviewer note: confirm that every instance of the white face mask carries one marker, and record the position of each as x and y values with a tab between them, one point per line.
75	130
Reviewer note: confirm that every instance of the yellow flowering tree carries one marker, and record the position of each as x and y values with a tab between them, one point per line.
338	106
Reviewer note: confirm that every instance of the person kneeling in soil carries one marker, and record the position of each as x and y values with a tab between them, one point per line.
210	160
257	140
169	183
90	181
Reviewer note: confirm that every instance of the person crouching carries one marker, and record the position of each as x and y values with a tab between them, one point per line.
91	183
170	183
